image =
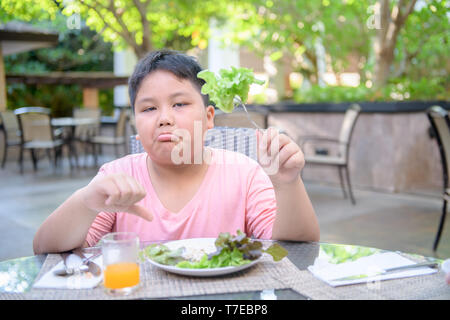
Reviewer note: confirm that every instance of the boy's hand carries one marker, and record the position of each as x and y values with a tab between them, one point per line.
115	193
281	158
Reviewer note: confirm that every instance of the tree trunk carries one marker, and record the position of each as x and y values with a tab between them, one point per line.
2	82
390	25
383	62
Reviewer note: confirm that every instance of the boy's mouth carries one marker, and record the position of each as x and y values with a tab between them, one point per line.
167	137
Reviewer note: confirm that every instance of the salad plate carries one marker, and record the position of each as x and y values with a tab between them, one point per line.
194	249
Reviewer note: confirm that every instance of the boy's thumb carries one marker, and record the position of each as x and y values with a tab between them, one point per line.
141	212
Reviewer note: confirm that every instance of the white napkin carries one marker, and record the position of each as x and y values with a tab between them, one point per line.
370	265
84	280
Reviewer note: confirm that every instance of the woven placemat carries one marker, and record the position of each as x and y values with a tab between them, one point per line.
425	287
156	283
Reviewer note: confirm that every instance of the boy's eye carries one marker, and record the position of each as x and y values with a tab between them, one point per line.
179	104
149	109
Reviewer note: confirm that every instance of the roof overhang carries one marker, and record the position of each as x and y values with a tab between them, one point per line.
16	37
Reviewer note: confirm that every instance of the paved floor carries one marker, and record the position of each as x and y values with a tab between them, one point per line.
387	221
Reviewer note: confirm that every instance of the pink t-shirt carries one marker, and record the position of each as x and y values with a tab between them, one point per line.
235	194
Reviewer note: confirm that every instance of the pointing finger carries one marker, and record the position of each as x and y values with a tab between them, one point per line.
140	211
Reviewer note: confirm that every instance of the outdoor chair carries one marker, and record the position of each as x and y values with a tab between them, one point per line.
119	138
340	159
440	125
37	134
11	132
83	132
238	118
241	140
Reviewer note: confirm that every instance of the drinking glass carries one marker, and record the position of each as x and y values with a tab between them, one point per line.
120	262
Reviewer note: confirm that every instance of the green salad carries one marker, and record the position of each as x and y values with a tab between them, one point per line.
230	251
222	88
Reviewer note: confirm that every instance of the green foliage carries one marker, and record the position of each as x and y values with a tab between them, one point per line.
77	50
283	30
332	94
61	99
401	89
290	30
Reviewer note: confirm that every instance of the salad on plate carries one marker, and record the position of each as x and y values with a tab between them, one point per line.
226	252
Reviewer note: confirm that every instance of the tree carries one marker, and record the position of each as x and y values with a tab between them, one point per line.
294	29
377	32
391	23
138	24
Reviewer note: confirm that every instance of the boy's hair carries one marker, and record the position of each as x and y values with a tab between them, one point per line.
181	65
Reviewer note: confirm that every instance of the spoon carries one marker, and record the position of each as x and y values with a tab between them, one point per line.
67	271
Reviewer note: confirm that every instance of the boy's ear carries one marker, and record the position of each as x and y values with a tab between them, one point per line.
210	117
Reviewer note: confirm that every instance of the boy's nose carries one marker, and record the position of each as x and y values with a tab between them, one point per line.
165	118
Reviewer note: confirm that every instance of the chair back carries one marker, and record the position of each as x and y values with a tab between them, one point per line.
84	131
238	118
10	125
440	123
241	140
345	135
121	123
35	124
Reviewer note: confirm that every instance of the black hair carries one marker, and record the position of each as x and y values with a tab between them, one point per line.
180	64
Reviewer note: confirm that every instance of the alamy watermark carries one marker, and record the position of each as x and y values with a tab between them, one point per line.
190	150
374	20
74	21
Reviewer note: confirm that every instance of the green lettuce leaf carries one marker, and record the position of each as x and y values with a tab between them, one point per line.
229	83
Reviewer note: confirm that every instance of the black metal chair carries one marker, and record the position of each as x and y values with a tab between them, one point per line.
340	160
11	132
37	134
440	125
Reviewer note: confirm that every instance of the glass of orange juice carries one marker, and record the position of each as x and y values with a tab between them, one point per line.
120	262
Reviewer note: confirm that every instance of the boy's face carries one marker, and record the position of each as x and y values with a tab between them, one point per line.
166	110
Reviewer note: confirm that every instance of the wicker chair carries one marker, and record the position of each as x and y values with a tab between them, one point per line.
37	134
11	132
83	133
119	138
343	144
241	140
440	125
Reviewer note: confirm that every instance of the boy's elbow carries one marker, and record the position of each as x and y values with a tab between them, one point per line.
315	236
36	248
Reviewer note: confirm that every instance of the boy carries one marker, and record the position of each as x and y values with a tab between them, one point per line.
161	199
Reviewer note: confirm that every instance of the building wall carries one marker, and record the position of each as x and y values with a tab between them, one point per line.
389	152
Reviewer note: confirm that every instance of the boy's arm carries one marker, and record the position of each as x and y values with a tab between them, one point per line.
296	219
66	228
282	160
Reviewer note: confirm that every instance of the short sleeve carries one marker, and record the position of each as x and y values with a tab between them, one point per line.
103	224
261	205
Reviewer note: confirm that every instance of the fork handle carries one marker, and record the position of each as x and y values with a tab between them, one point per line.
413	266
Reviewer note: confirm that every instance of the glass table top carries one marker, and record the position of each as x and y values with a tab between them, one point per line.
18	275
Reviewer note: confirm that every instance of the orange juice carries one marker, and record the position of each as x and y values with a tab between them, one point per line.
121	275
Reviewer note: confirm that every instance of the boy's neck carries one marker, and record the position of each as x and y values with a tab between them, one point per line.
175	172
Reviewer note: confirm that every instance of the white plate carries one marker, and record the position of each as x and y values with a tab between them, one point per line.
207	244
